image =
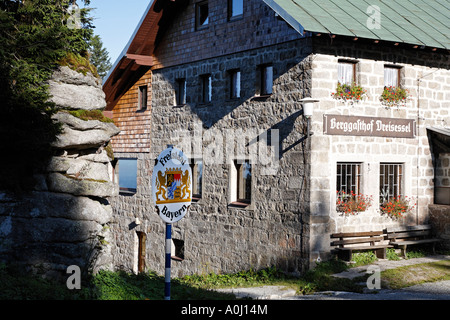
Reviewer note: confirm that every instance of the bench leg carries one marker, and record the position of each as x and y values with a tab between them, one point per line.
345	255
403	248
380	253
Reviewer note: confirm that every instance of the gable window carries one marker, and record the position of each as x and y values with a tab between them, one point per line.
235	82
201	15
266	81
235	8
128	175
206	81
142	98
391	181
391	76
180	92
346	72
348	179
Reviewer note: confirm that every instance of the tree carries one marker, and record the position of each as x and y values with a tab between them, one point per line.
34	36
99	56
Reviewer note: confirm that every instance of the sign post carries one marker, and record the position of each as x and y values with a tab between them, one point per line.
171	189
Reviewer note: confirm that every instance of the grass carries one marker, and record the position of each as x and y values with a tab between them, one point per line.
119	285
416	274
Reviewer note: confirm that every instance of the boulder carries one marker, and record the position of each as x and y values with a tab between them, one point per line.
82	134
79	168
72	90
58	182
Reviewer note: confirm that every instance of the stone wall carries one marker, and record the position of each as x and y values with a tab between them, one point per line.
440	221
219	236
428	106
64	220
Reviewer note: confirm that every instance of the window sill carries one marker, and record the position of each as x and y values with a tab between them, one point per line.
204	104
196	199
236	18
175	258
127	192
262	97
239	204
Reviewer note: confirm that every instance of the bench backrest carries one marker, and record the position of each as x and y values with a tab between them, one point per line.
357	237
421	231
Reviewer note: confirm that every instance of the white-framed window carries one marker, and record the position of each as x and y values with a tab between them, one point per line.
127	175
346	72
235	9
142	96
241	182
206	81
235	84
391	76
201	15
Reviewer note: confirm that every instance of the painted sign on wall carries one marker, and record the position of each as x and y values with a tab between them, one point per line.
368	126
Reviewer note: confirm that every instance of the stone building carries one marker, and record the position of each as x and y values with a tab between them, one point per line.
224	81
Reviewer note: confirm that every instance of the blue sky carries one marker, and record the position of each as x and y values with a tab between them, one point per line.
115	21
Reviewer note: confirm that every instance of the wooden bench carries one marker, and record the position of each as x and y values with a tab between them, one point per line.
402	237
357	241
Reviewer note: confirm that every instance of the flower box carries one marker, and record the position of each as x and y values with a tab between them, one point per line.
394	96
352	93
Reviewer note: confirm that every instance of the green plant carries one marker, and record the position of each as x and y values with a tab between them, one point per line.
391	254
351	92
78	63
397	207
352	203
394	96
89	115
363	258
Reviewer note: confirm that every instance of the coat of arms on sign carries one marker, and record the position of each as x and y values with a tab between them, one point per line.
173	186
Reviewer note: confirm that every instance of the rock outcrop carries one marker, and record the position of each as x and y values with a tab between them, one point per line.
73	90
64	220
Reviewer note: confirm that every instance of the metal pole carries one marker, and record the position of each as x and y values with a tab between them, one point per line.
168	257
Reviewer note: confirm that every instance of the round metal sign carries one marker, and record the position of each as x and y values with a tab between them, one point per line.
172	185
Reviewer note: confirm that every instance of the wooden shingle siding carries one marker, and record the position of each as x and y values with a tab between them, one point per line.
135	124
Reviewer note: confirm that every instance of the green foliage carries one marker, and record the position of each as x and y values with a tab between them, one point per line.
33	38
243	278
363	258
391	254
99	56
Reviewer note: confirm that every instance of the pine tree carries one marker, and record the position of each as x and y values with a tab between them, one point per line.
99	56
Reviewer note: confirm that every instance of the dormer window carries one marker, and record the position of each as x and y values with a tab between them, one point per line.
201	15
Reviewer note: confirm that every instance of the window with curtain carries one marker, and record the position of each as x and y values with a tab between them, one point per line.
346	72
391	76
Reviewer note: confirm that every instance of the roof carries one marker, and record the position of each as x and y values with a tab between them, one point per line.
417	22
137	56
